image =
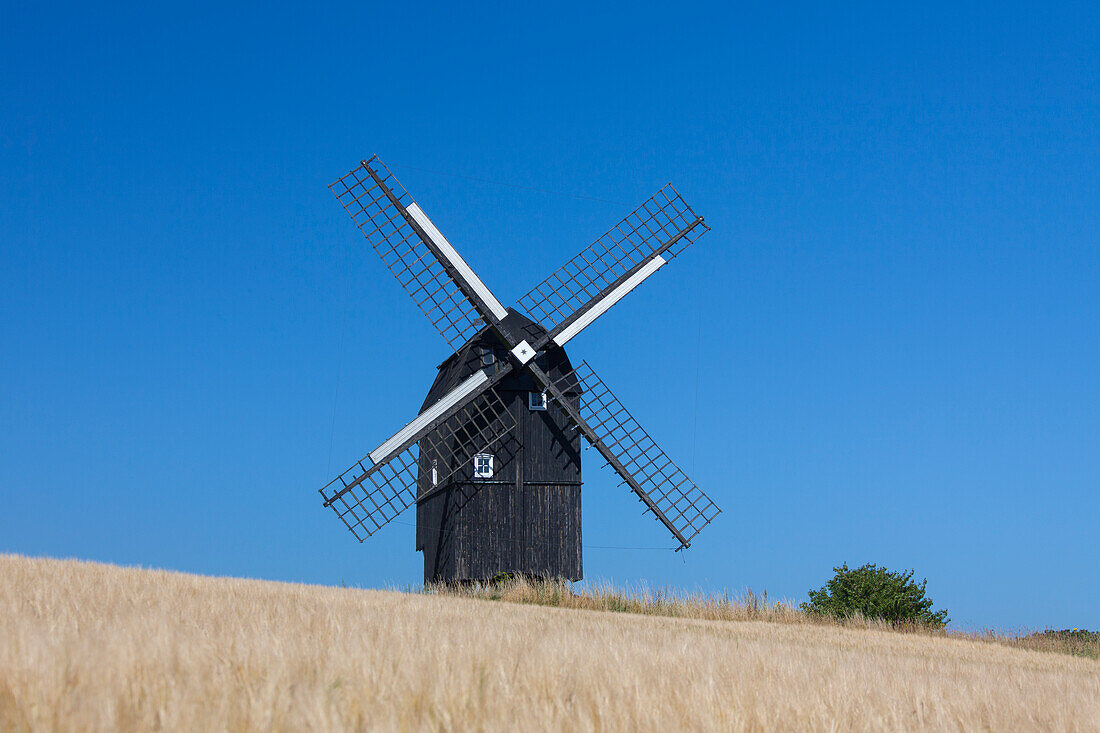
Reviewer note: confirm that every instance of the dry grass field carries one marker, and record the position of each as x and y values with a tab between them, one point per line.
85	646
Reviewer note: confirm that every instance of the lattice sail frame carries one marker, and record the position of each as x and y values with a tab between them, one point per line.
663	216
400	247
676	495
390	487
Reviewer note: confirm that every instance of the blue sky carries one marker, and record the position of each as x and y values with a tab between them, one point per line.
885	351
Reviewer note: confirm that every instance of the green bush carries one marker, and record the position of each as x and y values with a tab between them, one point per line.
876	593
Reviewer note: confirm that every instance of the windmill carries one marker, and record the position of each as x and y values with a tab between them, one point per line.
492	461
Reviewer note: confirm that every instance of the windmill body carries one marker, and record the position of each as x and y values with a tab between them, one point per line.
492	461
516	507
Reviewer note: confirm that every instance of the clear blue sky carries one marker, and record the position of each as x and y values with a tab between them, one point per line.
885	351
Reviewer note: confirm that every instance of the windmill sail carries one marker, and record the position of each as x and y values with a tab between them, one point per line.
652	234
395	227
678	503
367	496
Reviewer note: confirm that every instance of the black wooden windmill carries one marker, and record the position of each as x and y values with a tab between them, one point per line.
492	462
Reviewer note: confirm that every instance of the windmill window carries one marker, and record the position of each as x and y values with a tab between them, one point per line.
483	465
536	400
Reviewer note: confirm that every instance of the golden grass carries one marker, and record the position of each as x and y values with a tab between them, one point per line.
85	646
748	607
1058	642
646	601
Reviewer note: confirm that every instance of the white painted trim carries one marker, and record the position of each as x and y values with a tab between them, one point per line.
611	299
536	400
523	352
456	260
441	406
478	474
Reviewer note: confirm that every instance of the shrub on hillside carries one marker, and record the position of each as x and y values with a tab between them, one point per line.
877	593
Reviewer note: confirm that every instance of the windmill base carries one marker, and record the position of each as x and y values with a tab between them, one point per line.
489	528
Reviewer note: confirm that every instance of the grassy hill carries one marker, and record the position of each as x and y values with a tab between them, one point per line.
86	646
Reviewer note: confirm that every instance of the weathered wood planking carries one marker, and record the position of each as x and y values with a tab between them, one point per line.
527	518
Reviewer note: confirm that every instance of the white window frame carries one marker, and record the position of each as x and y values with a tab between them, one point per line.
536	400
480	472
